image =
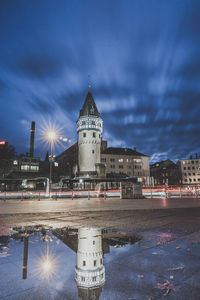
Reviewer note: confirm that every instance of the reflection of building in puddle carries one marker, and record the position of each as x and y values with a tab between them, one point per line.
90	271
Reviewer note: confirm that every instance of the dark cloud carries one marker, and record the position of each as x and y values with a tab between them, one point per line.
143	58
40	66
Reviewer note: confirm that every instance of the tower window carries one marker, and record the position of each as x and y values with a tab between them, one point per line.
93	151
84	263
94	134
95	263
84	134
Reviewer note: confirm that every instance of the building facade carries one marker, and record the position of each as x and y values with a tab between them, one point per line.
126	162
190	170
165	173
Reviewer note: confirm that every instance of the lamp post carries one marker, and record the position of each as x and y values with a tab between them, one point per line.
52	137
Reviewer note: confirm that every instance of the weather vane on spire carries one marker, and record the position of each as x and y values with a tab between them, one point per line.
89	82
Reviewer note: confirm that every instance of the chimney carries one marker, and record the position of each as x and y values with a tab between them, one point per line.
32	139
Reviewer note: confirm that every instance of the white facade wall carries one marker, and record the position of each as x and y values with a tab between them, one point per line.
190	171
90	271
89	143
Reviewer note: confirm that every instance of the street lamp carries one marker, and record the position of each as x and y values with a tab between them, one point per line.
52	137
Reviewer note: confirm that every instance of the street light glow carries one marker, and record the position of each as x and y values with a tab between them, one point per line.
47	267
52	135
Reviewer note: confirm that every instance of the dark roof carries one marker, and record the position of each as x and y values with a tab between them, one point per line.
122	151
163	163
89	107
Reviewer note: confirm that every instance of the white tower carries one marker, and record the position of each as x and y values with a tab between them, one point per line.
90	272
89	129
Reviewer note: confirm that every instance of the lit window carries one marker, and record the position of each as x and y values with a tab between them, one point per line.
15	162
121	160
24	167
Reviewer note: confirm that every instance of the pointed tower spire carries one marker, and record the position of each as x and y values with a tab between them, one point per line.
89	107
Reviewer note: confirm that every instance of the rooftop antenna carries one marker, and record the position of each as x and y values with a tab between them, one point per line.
89	82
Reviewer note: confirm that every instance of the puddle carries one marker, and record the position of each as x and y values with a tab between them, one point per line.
93	263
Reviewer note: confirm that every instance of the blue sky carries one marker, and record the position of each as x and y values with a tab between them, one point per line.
143	57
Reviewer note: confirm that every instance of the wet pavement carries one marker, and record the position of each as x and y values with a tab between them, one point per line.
93	204
93	263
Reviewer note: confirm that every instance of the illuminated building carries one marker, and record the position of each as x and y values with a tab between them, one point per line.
89	129
90	271
190	170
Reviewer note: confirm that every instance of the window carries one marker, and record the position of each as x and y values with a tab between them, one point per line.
94	134
189	174
93	151
112	166
95	263
94	278
184	168
93	122
84	263
82	278
101	261
193	168
34	168
121	166
93	242
188	168
112	159
83	123
185	180
121	160
193	174
192	162
15	162
194	179
84	134
103	159
129	167
25	167
99	135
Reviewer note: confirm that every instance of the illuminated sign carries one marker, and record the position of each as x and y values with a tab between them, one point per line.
3	143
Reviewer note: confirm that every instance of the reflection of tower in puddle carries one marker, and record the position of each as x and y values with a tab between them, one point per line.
90	272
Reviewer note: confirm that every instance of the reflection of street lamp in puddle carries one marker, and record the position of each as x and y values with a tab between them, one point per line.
47	263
